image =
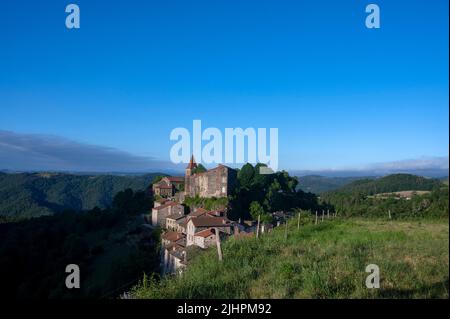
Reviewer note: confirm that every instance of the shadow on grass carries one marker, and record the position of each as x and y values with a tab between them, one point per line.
435	290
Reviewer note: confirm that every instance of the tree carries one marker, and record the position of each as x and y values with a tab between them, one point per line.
260	180
273	192
199	169
245	176
132	203
256	209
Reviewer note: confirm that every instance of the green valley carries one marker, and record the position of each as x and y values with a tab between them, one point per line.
25	195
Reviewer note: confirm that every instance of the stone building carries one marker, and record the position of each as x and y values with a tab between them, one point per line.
205	238
176	258
163	190
171	238
216	182
174	221
196	225
175	255
160	213
168	186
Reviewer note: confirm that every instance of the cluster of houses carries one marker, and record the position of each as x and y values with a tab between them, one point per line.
183	234
186	231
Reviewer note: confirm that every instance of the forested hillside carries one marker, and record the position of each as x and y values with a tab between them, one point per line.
318	184
25	195
377	198
390	183
110	246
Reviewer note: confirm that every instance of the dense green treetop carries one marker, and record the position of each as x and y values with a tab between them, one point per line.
199	169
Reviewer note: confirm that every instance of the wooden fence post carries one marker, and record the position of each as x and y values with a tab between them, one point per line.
219	248
286	230
316	217
257	227
298	221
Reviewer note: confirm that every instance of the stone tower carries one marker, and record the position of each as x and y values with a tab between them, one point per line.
188	174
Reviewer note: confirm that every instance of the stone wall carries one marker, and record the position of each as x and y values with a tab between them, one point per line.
217	182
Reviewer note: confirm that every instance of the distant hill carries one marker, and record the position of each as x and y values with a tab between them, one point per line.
390	183
319	184
398	196
24	195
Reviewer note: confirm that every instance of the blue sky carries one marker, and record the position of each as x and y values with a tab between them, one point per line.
343	96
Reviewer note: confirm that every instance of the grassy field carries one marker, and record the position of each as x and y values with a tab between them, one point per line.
320	261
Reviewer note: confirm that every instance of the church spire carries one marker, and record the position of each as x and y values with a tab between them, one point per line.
192	163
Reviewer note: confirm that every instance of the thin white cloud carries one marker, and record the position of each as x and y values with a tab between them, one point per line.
425	166
46	152
412	164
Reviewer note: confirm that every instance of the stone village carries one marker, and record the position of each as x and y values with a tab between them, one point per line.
184	230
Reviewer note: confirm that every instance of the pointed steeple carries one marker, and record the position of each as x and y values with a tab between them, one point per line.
192	163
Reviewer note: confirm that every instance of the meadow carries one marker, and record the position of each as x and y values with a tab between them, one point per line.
327	260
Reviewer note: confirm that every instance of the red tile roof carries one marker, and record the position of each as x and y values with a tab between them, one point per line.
198	212
215	213
165	205
210	222
205	233
172	236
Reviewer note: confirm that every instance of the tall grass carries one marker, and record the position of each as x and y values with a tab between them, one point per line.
319	261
